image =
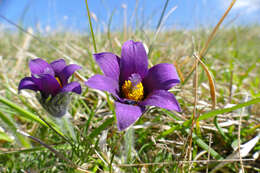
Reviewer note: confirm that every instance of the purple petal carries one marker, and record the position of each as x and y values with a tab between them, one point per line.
127	115
72	87
163	99
67	72
161	77
39	66
133	60
58	65
27	83
47	84
109	64
103	83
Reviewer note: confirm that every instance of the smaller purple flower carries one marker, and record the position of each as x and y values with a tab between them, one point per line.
51	80
133	85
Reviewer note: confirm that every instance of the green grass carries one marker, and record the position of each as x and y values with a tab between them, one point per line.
160	139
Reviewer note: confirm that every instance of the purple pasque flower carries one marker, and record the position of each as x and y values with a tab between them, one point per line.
133	85
51	80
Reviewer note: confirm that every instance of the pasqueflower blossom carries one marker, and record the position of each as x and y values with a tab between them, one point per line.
132	84
51	80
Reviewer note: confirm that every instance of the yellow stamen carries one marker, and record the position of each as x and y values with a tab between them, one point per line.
58	81
131	92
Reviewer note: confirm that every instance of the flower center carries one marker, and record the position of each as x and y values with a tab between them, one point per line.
58	80
133	88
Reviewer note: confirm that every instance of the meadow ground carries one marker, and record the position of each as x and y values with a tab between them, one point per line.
160	141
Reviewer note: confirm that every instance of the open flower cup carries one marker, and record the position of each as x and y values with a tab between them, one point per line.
132	84
51	80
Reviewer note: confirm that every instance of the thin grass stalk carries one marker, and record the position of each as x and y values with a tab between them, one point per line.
91	28
162	14
210	139
35	37
55	131
183	161
134	14
25	113
20	55
230	87
226	110
239	142
239	137
124	6
212	35
129	144
25	150
108	30
194	117
58	154
13	127
113	151
158	25
81	78
67	126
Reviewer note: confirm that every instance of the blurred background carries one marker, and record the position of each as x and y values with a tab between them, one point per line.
48	15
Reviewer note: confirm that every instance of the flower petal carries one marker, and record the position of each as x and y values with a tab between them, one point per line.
72	87
67	72
133	60
161	77
58	65
163	99
39	66
103	83
47	84
127	115
27	83
109	64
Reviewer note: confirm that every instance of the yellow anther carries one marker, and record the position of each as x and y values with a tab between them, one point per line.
131	92
58	81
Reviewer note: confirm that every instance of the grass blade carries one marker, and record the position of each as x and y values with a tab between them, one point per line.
5	137
220	129
211	36
24	113
203	145
13	127
211	82
91	28
226	110
102	127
